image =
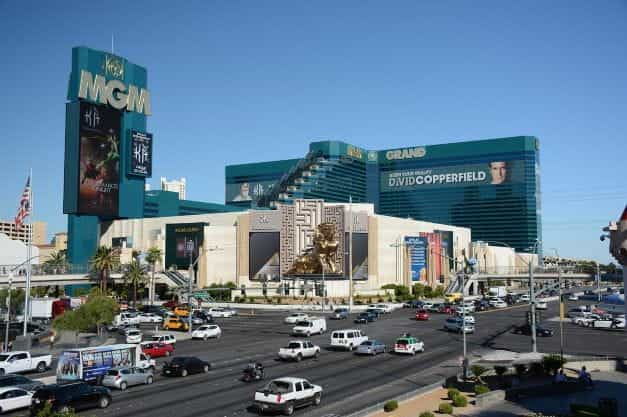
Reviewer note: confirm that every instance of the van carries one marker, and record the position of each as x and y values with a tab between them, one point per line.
313	325
347	339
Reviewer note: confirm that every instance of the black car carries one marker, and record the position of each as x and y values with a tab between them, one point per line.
365	317
540	331
74	395
373	311
202	315
413	304
19	381
185	365
481	305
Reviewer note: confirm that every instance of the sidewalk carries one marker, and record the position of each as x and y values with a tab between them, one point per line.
428	401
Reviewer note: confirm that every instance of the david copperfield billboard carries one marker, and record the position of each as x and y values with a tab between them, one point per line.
99	160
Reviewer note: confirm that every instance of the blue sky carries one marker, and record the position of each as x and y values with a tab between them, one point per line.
236	81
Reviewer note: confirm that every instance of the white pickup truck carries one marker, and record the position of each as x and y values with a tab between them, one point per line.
299	349
21	361
285	394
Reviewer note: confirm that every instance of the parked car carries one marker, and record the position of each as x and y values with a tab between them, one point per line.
157	349
293	318
168	339
176	323
185	365
413	304
456	324
422	315
313	325
207	331
20	381
75	395
13	398
347	339
286	394
609	323
340	314
121	378
150	318
365	317
525	329
371	347
408	344
298	350
22	361
134	336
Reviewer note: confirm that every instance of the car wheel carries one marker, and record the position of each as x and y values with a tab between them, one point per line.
317	398
205	338
123	386
205	368
289	409
316	354
184	373
299	357
219	335
41	367
350	347
104	402
308	334
168	353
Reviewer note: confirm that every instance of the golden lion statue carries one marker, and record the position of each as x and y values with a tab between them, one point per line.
322	256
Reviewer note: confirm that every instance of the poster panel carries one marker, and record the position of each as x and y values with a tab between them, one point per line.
182	243
247	191
417	246
141	154
264	262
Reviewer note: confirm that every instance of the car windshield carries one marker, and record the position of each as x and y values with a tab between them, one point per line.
402	342
112	372
339	310
278	387
4	358
178	361
293	345
367	343
203	328
303	324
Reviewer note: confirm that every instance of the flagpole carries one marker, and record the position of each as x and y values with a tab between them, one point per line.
29	255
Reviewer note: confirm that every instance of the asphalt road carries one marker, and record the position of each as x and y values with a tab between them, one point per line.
350	382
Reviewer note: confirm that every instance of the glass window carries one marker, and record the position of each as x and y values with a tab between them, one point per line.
307	385
299	386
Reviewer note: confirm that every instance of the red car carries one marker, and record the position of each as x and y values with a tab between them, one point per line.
447	309
170	304
156	350
422	315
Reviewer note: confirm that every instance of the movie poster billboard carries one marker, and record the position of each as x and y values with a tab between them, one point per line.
141	154
360	255
247	191
99	159
264	256
417	249
182	243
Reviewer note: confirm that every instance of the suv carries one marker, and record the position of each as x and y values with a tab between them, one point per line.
340	314
408	344
168	339
19	381
347	339
75	395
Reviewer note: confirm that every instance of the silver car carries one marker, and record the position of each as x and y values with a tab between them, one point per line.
121	378
371	347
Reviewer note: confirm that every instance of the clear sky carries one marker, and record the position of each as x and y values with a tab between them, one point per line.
243	81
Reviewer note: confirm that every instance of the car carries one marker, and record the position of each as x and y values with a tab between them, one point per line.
124	377
525	329
75	395
408	344
454	324
340	314
298	350
126	318
464	309
169	304
181	311
586	321
286	394
577	312
293	318
573	297
481	305
469	319
125	328
499	304
427	305
371	347
19	381
134	336
207	331
422	315
201	317
23	361
168	339
150	318
542	305
375	311
176	323
445	308
156	349
185	365
13	398
365	317
609	323
220	312
347	339
386	308
313	325
414	304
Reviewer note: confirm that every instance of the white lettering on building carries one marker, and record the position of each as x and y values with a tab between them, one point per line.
406	153
113	92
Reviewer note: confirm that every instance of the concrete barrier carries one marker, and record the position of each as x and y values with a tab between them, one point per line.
489	398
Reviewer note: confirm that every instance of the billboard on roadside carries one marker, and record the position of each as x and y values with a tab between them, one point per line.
417	249
182	243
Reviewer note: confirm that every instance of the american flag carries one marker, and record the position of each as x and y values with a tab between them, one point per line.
24	209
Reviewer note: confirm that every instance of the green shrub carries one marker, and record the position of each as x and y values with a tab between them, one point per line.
390	406
552	363
426	414
445	408
500	370
481	389
452	392
536	369
477	371
460	401
520	369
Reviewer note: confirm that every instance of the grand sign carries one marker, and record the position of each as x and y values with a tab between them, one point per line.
114	92
407	153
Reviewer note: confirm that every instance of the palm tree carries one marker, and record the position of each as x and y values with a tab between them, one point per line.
135	276
153	257
104	261
56	261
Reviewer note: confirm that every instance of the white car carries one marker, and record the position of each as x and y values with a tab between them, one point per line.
299	349
207	331
168	339
499	304
464	309
295	318
220	312
609	323
494	300
454	324
285	394
573	297
586	320
542	305
409	345
386	308
347	339
525	298
150	318
312	325
13	398
126	319
469	319
427	305
134	336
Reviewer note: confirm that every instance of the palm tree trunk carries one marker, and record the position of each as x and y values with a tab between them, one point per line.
152	286
134	294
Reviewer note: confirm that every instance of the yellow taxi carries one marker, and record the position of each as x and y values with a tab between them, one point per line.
181	311
175	323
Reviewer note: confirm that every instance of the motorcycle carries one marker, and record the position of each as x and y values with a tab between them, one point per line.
253	374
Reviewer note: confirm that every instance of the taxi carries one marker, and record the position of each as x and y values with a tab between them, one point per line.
175	323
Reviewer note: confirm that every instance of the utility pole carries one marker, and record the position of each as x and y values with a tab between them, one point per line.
191	280
6	330
561	303
534	345
598	283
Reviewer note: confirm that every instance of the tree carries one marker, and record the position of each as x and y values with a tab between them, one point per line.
99	309
477	371
153	257
135	276
419	290
103	262
72	321
57	261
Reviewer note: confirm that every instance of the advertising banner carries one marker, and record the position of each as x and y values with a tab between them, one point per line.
141	154
182	243
99	159
247	191
495	173
418	257
264	251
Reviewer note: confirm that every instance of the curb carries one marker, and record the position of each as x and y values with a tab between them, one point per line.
379	406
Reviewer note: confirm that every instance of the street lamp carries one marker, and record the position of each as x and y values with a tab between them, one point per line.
559	293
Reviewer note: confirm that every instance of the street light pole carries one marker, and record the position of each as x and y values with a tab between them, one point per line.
6	331
350	253
598	283
534	345
561	307
191	279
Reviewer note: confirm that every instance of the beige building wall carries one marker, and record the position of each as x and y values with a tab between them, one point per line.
23	233
60	241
